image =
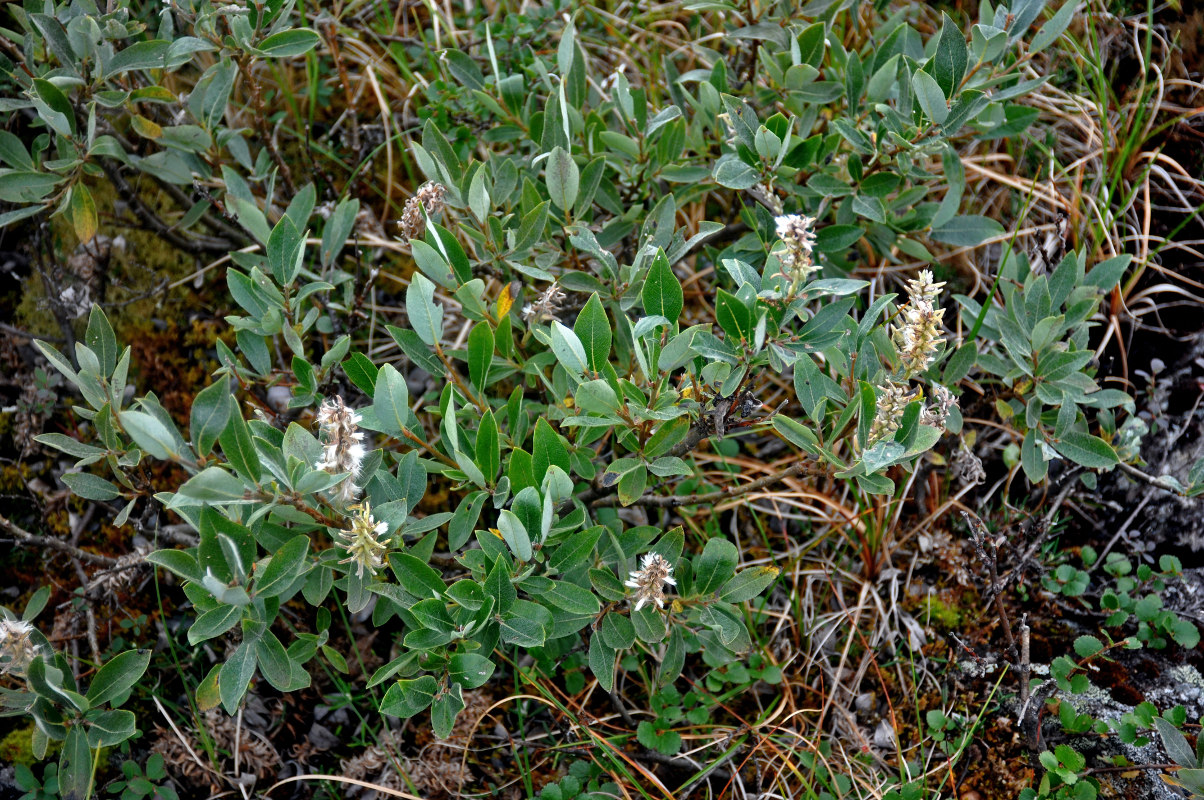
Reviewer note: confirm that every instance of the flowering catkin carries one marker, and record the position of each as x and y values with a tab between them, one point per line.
798	233
649	581
343	449
16	646
429	198
919	335
365	541
545	306
892	402
937	413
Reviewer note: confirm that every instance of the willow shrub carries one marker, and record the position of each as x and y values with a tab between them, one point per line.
590	377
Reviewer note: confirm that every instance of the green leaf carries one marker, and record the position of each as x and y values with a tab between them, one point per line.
14	153
213	485
1054	28
488	447
283	567
362	372
109	728
732	173
967	230
210	414
949	62
1185	633
214	622
337	229
649	625
1032	458
666	437
593	329
733	317
416	577
1175	744
91	487
1087	450
515	535
602	662
675	658
470	670
1107	274
478	196
631	485
662	292
837	238
1087	646
75	765
572	598
931	97
289	43
69	446
569	350
426	316
480	354
433	264
548	449
665	741
274	663
150	54
564	179
239	448
747	584
235	676
177	562
102	341
524	631
575	551
446	708
54	107
462	523
150	434
115	679
37	602
714	566
391	401
532	227
26	187
960	363
285	250
9	217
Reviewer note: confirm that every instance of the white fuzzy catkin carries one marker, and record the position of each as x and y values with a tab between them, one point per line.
918	336
343	449
650	580
797	231
892	402
16	646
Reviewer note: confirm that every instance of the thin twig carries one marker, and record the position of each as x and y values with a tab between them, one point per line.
982	541
1161	482
55	544
89	614
674	501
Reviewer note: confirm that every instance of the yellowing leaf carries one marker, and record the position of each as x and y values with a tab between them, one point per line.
505	301
145	127
81	210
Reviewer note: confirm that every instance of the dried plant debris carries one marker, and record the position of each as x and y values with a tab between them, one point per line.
439	770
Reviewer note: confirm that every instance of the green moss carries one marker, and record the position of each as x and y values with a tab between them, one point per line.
17	747
940	614
137	270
